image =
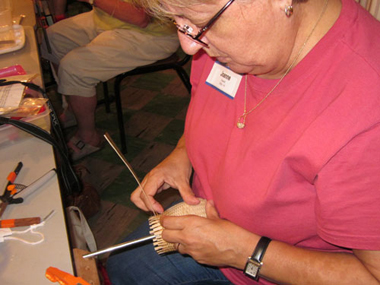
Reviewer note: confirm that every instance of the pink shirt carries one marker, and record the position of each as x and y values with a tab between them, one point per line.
306	168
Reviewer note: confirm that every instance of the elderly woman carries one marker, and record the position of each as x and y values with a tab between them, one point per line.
283	136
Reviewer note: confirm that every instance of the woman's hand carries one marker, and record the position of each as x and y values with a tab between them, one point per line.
210	240
174	171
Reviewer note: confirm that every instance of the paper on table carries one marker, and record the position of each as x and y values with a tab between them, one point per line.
10	96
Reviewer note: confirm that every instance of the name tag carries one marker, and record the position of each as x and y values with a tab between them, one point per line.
224	80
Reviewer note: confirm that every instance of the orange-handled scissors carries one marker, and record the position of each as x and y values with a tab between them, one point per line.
10	190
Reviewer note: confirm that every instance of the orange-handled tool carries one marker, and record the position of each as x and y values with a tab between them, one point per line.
12	176
7	198
63	278
12	223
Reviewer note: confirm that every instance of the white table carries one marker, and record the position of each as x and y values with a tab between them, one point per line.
27	56
24	263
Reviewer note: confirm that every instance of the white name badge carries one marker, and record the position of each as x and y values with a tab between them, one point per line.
224	80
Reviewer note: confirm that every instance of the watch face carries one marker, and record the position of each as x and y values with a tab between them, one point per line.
251	269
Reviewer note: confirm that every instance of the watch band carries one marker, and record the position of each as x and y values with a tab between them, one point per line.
255	262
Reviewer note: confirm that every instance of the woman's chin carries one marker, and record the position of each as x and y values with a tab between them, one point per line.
238	68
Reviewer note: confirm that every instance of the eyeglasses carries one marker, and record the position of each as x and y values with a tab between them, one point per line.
187	30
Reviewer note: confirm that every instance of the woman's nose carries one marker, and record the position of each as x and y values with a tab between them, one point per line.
188	46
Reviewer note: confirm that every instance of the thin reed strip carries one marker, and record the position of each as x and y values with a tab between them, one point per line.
127	164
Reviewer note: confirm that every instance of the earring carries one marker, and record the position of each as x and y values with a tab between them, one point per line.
289	11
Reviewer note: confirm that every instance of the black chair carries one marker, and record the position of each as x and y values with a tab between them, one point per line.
172	62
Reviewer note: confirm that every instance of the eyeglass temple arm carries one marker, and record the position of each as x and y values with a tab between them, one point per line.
211	22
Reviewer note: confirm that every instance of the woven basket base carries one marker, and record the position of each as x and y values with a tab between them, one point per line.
180	209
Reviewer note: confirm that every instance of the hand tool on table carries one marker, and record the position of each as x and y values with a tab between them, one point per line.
10	191
21	191
63	278
13	223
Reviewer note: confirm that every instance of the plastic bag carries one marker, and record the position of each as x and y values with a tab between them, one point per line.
19	101
28	107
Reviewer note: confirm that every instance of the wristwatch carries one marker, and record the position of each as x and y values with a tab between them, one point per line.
254	263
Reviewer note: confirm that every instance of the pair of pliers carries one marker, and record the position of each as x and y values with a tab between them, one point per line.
11	190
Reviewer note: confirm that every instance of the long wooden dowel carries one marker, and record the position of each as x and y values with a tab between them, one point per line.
118	246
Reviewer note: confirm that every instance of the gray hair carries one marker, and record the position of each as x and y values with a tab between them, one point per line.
158	8
160	11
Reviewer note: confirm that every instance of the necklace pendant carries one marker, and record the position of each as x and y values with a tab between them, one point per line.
240	125
241	121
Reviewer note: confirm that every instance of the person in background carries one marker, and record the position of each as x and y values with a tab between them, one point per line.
59	9
95	46
282	137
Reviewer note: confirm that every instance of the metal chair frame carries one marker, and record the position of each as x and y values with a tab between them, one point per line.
172	62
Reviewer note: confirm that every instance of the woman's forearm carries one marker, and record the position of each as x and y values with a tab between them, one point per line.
292	265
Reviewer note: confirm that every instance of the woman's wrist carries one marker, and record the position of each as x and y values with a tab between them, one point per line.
255	261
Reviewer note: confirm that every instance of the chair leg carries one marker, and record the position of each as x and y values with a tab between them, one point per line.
106	97
119	112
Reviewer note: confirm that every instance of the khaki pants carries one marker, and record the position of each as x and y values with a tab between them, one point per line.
86	55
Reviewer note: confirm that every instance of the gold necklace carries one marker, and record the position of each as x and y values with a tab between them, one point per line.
241	120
